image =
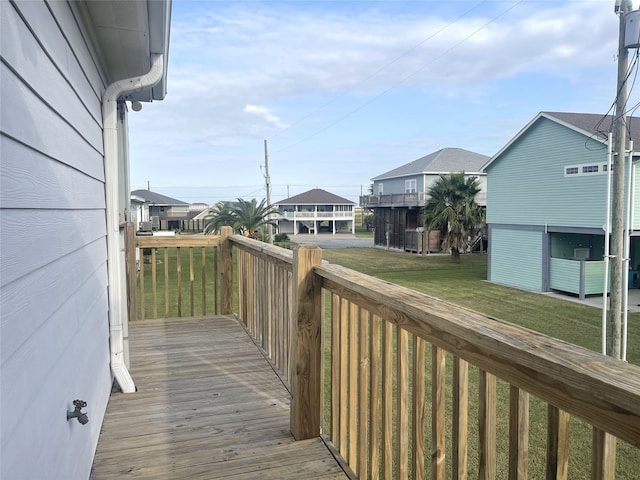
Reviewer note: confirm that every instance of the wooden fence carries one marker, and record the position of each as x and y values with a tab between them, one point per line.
408	386
174	276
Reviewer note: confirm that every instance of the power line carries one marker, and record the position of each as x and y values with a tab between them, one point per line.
380	69
392	87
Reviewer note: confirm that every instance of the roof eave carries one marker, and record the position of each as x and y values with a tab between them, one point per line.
127	35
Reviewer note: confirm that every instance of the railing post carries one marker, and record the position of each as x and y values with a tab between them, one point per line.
306	336
226	259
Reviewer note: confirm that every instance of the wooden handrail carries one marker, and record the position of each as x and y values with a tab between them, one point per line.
603	391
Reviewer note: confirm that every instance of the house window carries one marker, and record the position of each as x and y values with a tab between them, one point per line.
380	189
584	169
410	186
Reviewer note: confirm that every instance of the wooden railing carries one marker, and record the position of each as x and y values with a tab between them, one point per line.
408	375
264	279
408	386
174	276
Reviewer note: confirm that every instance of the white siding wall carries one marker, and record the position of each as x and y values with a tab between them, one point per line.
54	324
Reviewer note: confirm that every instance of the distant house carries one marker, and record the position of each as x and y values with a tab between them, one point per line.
70	71
399	194
315	211
546	205
164	213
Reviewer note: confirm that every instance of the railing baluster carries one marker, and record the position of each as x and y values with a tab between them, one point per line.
203	276
374	398
179	280
353	384
142	292
216	259
402	376
487	426
363	390
344	377
166	282
336	349
418	405
557	443
603	456
518	434
438	385
460	433
191	283
154	286
387	400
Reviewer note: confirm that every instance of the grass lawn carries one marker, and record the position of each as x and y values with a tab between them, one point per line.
464	284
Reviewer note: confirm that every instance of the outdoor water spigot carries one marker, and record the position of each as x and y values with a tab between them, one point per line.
77	412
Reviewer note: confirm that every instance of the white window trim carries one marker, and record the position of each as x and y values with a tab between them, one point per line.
602	169
411	186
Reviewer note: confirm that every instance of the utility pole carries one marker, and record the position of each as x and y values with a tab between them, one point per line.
614	329
267	185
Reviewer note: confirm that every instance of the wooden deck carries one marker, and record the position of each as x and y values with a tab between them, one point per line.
208	406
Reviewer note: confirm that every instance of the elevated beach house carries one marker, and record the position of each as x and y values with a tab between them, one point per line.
546	205
399	194
164	212
70	73
315	211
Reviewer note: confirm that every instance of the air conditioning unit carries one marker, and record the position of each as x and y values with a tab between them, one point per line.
581	253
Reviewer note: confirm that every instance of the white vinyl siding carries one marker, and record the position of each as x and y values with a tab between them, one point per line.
54	332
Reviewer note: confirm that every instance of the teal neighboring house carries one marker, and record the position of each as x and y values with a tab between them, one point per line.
546	205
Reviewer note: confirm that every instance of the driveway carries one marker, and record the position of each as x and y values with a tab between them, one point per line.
327	240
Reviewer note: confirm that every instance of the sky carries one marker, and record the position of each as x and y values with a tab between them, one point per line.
343	91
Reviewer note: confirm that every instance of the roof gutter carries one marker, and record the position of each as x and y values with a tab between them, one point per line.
116	261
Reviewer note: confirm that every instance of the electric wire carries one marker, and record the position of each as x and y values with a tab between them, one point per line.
375	73
399	82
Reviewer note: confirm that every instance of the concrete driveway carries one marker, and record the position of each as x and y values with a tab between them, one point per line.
327	240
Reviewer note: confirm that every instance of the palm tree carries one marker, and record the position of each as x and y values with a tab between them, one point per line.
245	216
452	208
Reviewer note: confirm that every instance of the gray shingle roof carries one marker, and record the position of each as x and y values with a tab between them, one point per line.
317	196
446	160
595	123
591	125
157	198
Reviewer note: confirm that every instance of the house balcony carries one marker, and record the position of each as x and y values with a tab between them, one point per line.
253	361
409	200
417	199
316	215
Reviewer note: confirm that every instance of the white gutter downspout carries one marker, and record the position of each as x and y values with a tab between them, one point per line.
627	253
607	241
116	261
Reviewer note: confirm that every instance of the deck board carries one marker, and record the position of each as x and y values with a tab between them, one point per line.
208	406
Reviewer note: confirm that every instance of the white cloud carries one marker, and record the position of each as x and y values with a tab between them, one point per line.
240	72
263	112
